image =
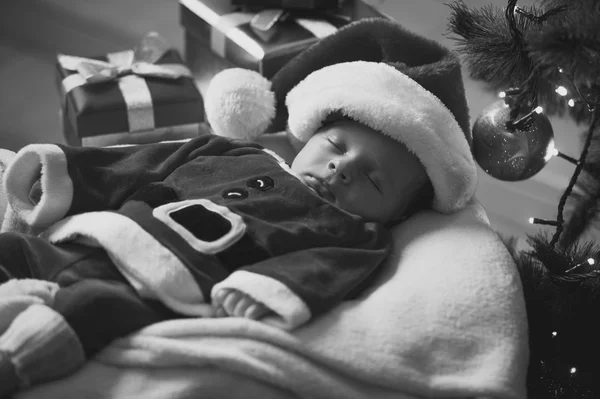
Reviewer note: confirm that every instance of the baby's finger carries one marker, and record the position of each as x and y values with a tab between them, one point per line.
256	311
230	302
218	296
242	305
220	312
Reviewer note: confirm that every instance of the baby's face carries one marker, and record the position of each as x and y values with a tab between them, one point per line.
360	170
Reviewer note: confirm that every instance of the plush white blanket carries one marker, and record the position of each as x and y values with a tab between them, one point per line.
446	318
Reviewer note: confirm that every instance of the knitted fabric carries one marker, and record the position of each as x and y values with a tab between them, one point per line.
41	347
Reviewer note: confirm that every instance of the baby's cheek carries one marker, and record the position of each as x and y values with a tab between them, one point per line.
358	201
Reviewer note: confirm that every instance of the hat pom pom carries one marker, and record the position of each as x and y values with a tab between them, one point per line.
239	103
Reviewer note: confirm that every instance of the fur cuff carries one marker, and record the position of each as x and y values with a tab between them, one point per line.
290	311
47	164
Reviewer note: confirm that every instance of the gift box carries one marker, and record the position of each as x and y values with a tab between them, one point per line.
289	4
140	95
227	31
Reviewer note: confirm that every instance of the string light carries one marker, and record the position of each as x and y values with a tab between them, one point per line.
543	221
511	12
524	121
589	261
509	92
554	152
520	123
551	151
561	90
537	18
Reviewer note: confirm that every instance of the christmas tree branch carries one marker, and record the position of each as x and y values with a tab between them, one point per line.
585	200
487	44
506	52
578	168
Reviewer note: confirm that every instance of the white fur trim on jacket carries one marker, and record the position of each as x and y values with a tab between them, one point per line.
48	164
392	103
153	270
290	311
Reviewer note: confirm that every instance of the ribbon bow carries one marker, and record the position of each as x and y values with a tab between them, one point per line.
139	61
128	69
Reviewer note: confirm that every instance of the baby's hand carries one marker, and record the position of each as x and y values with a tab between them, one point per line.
230	302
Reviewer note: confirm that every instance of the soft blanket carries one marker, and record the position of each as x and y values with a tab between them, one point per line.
444	319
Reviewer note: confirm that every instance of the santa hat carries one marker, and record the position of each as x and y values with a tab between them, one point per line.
375	72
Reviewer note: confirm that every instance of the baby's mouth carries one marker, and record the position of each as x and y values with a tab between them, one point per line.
320	187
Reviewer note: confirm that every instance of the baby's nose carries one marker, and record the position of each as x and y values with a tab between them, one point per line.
342	171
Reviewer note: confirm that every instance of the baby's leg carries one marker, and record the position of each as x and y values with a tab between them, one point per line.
101	310
44	344
93	306
94	298
13	263
26	256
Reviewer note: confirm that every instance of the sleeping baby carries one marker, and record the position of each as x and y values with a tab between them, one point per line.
218	226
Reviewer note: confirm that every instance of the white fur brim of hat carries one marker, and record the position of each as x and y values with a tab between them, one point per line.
386	100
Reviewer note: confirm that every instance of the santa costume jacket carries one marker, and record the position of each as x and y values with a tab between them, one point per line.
180	219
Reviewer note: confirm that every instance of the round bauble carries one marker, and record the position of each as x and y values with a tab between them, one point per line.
511	154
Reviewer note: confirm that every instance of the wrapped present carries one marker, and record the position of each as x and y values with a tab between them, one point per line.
228	32
289	4
137	95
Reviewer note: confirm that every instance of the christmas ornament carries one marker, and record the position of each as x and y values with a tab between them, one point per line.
511	153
